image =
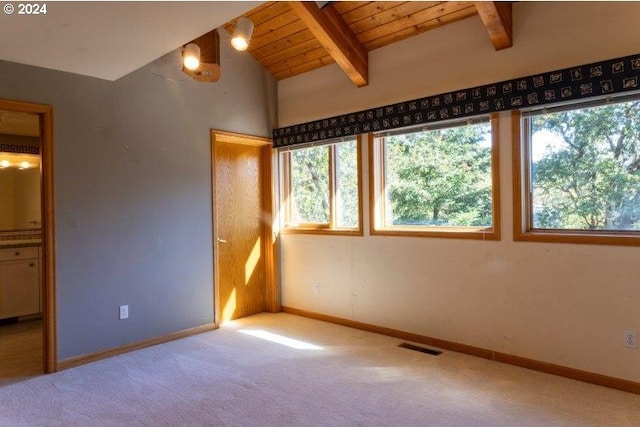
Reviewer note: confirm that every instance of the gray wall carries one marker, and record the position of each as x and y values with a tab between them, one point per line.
133	191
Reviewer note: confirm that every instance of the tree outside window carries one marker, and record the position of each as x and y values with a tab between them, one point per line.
438	182
585	168
321	189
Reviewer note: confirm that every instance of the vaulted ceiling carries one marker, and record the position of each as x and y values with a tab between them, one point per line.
292	38
112	38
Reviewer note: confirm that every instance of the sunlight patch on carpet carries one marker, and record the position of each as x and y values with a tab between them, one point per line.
279	339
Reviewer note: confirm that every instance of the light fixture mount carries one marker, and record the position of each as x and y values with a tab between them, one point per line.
209	68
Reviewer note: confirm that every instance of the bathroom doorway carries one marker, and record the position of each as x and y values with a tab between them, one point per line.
27	288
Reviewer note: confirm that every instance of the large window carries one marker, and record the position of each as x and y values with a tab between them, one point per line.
440	182
580	174
321	188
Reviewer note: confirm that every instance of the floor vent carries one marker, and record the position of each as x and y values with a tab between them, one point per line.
420	349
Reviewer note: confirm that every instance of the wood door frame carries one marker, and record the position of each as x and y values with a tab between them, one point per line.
272	295
45	112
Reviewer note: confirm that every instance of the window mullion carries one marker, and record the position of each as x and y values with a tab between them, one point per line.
286	185
527	178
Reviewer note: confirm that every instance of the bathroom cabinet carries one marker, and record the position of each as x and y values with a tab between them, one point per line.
20	290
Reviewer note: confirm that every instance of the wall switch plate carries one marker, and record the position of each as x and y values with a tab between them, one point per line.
124	312
630	338
316	288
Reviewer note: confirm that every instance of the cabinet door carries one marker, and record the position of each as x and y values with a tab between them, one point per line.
19	290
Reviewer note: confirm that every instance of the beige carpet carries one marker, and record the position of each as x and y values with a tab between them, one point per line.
284	370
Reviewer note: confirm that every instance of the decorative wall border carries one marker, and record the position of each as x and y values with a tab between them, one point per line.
21	149
586	81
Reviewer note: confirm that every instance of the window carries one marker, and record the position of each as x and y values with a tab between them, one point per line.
321	188
579	170
441	182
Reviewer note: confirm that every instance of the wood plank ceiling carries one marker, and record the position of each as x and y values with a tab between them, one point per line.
292	38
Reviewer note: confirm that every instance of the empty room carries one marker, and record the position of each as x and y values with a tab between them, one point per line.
341	213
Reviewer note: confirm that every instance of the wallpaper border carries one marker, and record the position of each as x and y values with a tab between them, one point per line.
597	79
21	149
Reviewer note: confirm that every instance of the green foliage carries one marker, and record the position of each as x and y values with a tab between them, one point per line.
585	174
310	185
588	176
347	184
440	177
310	171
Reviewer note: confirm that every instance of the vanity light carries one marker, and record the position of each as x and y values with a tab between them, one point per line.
191	56
19	161
242	34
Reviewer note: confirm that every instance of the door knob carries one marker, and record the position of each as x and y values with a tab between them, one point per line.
221	240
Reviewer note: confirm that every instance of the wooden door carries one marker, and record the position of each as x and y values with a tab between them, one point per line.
47	266
241	208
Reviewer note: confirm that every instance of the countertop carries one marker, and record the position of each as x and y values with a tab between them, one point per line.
19	243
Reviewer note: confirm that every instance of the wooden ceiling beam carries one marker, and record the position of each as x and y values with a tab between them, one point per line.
331	31
498	20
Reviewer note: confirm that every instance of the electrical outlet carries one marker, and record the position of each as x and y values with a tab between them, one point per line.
630	338
316	288
124	312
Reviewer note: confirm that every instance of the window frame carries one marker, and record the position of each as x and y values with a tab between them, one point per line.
377	198
330	228
523	229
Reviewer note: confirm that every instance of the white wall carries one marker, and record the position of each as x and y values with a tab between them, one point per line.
559	303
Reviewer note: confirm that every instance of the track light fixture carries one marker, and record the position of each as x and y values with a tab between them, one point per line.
201	58
242	34
191	56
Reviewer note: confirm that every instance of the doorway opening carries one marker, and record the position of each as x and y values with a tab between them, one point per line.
244	272
27	266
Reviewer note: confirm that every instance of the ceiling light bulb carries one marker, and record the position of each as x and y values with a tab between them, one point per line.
5	164
239	43
242	33
191	56
24	165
